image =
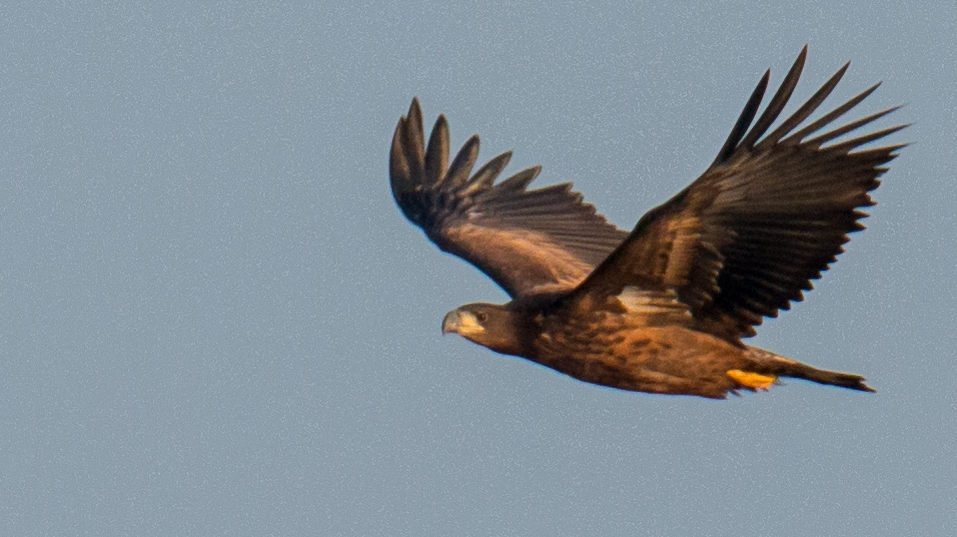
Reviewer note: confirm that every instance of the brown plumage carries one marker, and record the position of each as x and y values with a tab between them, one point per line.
662	309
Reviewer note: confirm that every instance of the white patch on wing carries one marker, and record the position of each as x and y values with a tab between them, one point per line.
660	306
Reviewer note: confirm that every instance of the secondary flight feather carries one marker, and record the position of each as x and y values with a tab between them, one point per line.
664	308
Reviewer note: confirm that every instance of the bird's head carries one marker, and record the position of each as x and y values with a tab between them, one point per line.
490	325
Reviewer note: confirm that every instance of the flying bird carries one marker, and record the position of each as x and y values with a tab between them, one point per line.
664	308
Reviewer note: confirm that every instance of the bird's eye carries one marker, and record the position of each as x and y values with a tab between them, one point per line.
481	316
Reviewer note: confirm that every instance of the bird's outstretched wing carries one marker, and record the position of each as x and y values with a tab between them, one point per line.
768	216
528	241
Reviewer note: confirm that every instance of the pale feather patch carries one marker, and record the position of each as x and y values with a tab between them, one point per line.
655	307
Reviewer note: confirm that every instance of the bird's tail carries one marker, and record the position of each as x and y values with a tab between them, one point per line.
785	367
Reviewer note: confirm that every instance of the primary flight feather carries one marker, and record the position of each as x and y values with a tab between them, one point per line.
664	308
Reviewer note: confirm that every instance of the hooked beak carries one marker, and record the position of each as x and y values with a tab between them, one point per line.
463	323
451	322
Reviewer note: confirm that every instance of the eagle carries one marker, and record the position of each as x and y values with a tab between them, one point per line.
664	308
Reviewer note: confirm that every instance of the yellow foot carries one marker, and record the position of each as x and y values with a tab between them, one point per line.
751	380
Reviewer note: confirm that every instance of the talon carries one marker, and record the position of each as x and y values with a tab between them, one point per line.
754	381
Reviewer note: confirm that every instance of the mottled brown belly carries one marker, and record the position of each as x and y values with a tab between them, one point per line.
668	360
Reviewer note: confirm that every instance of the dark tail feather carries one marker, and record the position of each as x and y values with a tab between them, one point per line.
785	367
834	378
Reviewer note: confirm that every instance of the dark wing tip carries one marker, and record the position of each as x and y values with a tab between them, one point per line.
780	99
461	166
485	177
437	152
399	171
520	180
744	120
744	134
415	110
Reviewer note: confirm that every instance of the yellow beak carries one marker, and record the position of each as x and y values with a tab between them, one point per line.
462	323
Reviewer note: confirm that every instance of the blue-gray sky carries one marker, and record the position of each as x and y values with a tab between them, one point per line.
213	319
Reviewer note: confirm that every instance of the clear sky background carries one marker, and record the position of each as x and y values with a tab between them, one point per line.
214	320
